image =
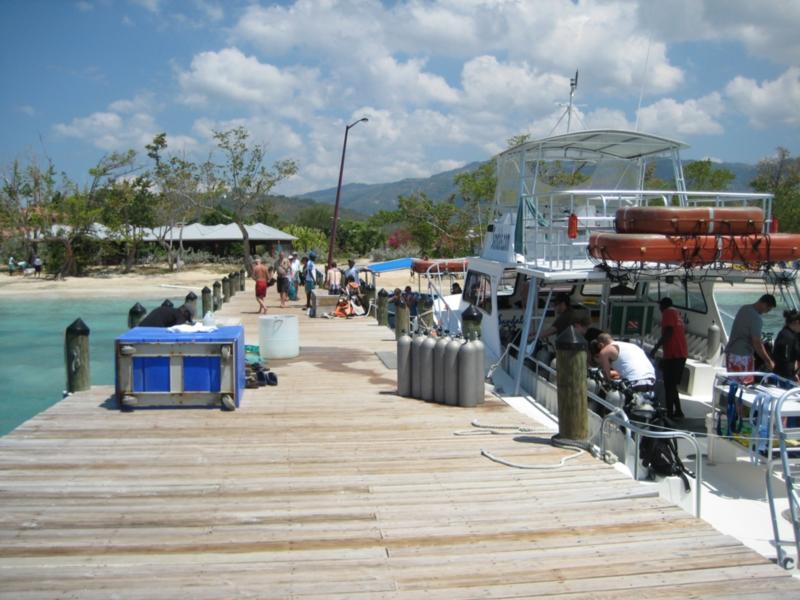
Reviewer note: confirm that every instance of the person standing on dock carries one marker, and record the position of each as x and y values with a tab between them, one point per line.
310	276
352	271
676	351
745	338
333	279
282	268
261	275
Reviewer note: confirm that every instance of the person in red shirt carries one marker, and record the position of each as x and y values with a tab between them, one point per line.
673	338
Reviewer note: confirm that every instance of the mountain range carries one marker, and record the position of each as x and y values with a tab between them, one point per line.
370	198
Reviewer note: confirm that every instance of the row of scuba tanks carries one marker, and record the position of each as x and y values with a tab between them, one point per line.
446	370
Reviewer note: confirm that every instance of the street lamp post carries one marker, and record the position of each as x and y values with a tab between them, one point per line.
339	191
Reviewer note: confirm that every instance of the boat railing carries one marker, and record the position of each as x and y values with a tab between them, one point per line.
556	225
617	415
442	314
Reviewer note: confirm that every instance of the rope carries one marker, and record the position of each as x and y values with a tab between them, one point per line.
480	429
507	463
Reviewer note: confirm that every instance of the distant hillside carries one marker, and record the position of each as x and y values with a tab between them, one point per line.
289	207
370	198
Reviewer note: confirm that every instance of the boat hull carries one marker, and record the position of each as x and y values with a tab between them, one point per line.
696	249
668	220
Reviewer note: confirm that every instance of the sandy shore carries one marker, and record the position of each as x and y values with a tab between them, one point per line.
142	284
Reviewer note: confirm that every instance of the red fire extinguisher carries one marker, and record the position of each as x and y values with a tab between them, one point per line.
572	226
773	226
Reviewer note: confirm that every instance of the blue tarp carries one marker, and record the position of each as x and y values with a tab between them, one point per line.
391	265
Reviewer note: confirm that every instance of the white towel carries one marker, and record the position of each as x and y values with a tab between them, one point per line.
195	328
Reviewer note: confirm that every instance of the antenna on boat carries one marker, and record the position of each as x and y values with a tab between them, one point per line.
573	85
568	108
644	79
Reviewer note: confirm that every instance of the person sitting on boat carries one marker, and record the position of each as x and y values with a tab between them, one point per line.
626	361
745	338
566	315
676	351
786	350
456	289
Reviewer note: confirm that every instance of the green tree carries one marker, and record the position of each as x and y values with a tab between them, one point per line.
652	181
127	208
701	175
359	237
219	215
24	198
518	140
182	196
307	238
75	210
439	229
477	189
243	181
780	175
316	216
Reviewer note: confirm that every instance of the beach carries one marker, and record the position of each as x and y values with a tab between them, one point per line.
145	283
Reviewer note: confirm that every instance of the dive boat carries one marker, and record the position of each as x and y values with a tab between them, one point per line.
616	249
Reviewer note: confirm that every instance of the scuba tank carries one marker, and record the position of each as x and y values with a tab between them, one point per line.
468	365
439	369
416	380
426	372
451	372
404	366
713	342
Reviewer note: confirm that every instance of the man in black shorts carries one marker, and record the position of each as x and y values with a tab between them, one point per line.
282	268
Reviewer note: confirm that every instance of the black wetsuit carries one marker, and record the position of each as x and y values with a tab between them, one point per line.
166	316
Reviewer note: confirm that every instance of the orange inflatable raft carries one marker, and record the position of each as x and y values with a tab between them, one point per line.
669	220
696	249
419	265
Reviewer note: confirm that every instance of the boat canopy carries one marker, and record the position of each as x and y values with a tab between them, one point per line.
597	144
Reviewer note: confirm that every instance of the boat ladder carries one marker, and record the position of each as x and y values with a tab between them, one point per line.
790	467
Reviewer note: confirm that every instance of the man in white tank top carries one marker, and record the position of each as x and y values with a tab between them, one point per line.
628	361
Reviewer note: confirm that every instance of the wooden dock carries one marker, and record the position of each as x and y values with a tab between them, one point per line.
331	486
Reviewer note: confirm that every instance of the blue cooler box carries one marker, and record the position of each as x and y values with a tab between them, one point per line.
156	367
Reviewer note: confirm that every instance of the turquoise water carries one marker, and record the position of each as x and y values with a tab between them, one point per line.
32	372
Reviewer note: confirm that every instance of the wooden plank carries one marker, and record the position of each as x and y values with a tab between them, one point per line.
329	485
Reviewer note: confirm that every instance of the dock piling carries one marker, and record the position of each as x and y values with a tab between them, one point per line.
76	356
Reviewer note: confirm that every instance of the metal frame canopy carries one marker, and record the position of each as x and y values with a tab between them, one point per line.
597	144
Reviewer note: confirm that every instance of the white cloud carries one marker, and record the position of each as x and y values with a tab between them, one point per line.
150	5
692	117
230	76
490	84
27	109
213	11
767	29
396	82
770	103
125	124
84	6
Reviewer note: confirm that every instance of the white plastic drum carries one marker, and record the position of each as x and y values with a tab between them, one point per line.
278	336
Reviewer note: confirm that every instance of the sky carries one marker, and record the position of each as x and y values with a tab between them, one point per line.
443	83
